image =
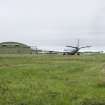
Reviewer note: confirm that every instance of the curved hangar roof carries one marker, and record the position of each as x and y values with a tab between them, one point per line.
13	44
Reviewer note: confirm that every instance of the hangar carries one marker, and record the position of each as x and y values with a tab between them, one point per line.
14	48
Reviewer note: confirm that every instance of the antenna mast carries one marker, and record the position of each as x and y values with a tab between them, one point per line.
78	41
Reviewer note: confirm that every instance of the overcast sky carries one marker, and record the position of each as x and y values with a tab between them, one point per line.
53	22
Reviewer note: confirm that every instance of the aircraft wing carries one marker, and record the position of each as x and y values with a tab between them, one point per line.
71	46
85	47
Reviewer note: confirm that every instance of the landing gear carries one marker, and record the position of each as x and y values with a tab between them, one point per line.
78	53
66	53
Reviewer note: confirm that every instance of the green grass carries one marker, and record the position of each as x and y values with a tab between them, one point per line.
52	80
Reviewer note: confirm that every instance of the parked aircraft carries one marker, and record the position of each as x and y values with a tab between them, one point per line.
68	50
72	50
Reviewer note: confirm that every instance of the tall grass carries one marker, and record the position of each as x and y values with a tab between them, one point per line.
51	80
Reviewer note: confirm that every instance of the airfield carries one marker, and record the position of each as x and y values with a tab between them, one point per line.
52	79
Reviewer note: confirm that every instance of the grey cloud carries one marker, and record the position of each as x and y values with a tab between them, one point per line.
52	22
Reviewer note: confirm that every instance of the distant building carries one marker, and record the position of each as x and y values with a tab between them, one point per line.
14	48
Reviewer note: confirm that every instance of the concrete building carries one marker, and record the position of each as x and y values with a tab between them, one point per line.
14	48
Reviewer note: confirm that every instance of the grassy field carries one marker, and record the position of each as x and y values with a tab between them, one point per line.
52	80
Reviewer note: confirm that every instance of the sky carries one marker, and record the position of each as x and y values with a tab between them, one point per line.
53	22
